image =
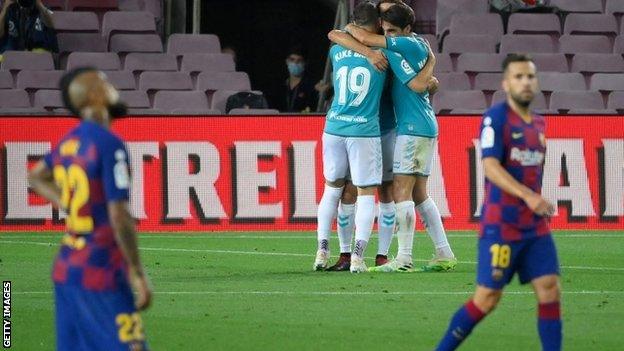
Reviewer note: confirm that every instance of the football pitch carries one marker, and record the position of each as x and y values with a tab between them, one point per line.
256	291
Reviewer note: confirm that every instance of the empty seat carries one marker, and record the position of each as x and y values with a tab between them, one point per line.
594	6
165	81
98	5
614	7
207	63
144	112
459	44
39	79
553	81
55	4
539	43
592	111
18	60
616	101
170	100
138	62
137	22
106	61
6	80
219	99
134	98
67	21
124	43
473	62
432	40
488	81
607	82
443	63
85	42
453	81
589	23
445	10
152	6
121	80
443	101
550	62
482	23
193	112
618	46
180	44
30	111
593	63
539	100
223	81
567	100
534	23
575	44
48	99
253	111
14	98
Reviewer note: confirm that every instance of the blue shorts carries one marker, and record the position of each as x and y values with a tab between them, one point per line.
92	320
499	260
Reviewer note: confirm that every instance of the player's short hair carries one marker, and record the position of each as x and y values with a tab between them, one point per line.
399	15
66	81
511	58
297	50
388	2
365	14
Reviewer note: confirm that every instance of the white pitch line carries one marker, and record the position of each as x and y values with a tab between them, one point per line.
287	254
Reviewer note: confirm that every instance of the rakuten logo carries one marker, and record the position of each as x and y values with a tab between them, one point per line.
527	157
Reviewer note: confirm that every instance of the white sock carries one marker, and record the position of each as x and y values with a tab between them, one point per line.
346	226
326	212
430	215
364	220
385	222
405	215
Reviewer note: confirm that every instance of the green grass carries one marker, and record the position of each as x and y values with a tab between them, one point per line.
256	291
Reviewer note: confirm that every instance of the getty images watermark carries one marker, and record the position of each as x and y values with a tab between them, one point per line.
6	314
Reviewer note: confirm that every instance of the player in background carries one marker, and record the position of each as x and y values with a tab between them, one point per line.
417	132
387	210
514	236
87	176
351	139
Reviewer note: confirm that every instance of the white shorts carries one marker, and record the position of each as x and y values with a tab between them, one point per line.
387	152
358	157
413	155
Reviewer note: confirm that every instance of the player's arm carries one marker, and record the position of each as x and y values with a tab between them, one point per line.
344	39
41	180
404	72
365	37
423	82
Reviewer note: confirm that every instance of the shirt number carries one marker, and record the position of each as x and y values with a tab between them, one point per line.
357	81
130	327
501	255
74	185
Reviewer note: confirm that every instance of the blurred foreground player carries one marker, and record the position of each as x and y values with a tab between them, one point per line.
87	176
514	234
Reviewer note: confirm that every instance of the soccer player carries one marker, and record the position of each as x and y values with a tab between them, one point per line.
351	140
87	176
514	235
417	132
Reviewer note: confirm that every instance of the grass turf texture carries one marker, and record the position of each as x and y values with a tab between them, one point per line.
256	291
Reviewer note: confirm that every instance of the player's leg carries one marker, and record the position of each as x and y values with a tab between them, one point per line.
386	218
335	166
66	332
345	227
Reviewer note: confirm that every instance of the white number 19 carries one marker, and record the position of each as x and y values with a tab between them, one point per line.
358	82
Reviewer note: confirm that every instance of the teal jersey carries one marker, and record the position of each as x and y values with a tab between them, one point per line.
387	119
413	110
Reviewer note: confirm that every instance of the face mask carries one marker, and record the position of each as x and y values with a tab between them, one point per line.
296	69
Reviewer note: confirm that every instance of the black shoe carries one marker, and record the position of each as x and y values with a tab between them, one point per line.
343	264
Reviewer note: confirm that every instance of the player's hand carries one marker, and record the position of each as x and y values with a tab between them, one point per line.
432	86
378	59
143	290
539	205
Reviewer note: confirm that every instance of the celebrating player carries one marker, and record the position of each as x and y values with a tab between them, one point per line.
87	176
514	235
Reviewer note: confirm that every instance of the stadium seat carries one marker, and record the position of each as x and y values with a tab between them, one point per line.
165	81
139	62
55	5
85	42
534	23
135	98
121	80
597	63
253	111
106	61
607	82
28	111
589	23
144	112
459	44
195	63
550	62
616	101
614	7
482	23
167	101
131	22
152	6
568	100
39	79
48	99
576	44
443	63
453	81
219	99
193	112
590	6
223	81
14	98
124	43
474	62
19	60
554	81
538	104
84	22
618	46
94	5
592	111
433	41
180	44
445	10
444	101
488	81
6	80
539	43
